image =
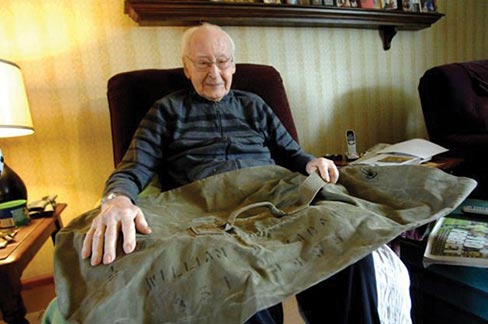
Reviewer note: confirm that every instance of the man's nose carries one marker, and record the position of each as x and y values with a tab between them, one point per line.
214	70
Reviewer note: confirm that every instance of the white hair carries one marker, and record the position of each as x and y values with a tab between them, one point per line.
188	35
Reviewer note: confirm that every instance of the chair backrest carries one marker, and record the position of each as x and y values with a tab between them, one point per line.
131	94
454	99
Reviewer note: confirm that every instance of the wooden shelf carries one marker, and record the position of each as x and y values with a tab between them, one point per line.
186	13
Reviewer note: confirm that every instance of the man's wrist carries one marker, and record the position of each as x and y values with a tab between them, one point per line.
110	196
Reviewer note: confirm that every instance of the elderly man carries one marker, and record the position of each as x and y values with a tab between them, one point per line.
208	130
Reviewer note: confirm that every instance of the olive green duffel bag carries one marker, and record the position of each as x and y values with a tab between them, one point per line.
230	245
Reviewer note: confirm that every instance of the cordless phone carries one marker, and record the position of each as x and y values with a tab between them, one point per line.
352	153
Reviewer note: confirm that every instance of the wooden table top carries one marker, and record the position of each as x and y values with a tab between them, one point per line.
32	235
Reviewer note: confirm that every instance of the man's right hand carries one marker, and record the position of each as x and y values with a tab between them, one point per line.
116	214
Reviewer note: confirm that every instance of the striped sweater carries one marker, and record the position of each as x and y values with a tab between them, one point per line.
185	137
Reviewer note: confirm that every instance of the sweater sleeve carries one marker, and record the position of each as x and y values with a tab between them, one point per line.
142	159
284	149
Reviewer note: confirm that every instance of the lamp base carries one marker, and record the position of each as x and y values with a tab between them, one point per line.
11	185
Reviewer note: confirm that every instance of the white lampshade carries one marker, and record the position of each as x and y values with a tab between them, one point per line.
15	117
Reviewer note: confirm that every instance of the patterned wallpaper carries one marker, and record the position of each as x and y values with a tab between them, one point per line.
335	79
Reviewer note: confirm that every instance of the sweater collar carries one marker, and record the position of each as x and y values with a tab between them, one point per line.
199	98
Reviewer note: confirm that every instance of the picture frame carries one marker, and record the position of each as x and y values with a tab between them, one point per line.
428	5
343	3
411	5
370	4
329	2
354	3
389	4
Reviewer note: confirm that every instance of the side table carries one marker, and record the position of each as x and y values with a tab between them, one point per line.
15	257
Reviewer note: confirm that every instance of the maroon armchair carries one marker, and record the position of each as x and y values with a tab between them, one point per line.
131	94
454	101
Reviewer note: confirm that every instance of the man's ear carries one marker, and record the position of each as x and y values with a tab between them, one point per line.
186	70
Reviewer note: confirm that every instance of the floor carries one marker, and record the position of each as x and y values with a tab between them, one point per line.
37	298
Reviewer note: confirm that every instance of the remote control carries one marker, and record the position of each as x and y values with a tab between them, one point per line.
482	210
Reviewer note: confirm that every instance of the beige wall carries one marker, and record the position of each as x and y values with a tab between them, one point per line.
335	78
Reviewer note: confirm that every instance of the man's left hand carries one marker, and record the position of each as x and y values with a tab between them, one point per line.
327	169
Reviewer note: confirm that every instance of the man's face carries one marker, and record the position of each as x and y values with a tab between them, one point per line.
209	63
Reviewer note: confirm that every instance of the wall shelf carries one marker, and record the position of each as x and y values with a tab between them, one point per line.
185	13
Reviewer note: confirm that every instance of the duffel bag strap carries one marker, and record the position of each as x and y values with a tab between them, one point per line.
306	192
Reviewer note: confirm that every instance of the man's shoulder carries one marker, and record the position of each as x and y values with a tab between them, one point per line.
245	94
170	104
174	96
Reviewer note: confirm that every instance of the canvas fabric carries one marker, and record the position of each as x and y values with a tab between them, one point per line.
227	246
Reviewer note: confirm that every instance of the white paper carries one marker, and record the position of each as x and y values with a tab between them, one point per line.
415	147
414	151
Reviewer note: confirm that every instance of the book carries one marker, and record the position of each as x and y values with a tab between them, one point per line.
459	239
413	151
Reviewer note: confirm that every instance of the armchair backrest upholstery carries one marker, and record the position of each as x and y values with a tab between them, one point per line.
454	101
131	94
454	98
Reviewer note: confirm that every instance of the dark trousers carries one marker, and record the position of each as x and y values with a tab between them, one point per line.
348	297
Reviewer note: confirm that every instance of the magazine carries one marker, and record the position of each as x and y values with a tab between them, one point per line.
458	240
414	151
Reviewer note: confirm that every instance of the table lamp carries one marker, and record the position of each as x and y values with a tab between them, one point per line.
15	120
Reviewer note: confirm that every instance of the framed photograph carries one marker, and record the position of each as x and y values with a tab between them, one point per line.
411	5
343	3
406	5
328	2
389	4
416	6
428	5
370	4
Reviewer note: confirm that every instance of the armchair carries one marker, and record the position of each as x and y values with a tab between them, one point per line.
454	100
